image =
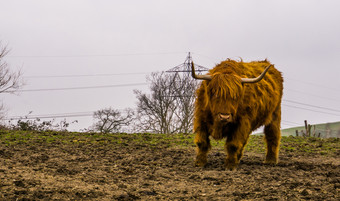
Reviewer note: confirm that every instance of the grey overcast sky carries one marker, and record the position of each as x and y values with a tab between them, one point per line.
89	43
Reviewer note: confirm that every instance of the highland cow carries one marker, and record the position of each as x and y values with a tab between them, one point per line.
234	99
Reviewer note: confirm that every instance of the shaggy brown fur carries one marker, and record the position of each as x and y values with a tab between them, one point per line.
249	105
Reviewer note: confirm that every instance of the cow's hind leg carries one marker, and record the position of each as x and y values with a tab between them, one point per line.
203	146
272	137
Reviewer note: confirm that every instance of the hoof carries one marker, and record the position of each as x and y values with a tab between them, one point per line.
200	163
270	161
201	160
230	166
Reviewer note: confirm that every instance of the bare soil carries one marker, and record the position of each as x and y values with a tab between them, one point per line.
124	169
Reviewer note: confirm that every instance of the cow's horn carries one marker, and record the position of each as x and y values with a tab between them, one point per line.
199	77
257	79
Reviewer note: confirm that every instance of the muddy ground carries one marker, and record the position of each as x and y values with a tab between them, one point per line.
120	168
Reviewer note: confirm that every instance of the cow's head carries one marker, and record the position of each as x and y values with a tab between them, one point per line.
224	93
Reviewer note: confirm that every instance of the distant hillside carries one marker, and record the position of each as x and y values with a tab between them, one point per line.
326	130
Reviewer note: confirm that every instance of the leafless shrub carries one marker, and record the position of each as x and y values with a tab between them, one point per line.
112	120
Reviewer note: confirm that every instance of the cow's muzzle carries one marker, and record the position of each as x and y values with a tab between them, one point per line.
225	117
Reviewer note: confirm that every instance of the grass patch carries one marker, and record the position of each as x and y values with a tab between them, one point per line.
256	144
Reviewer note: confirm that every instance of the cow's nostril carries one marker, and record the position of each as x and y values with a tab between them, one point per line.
225	117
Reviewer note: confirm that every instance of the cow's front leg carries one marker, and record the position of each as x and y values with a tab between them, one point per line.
234	147
202	148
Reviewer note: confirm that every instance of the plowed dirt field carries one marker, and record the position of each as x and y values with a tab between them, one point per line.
83	166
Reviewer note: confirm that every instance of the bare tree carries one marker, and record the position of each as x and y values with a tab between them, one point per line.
112	120
8	80
185	93
156	111
169	107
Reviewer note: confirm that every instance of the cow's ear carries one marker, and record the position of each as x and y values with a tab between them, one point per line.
239	78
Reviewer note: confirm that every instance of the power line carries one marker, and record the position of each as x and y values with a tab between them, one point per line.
93	55
312	83
51	116
309	94
296	107
139	73
76	88
89	114
287	124
291	122
84	75
309	105
139	84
